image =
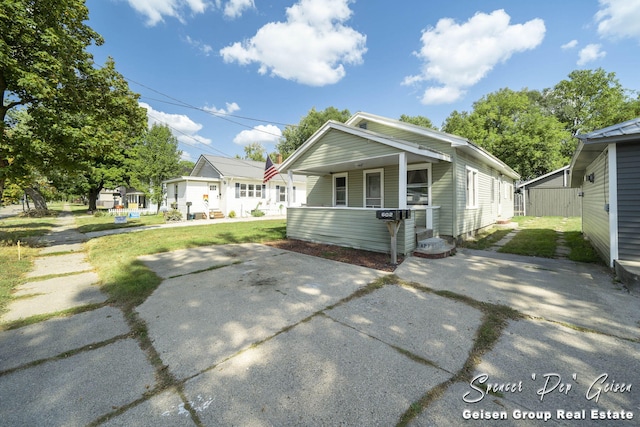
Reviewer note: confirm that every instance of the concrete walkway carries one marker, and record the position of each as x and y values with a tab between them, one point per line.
270	337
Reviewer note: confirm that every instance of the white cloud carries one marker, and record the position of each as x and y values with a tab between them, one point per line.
311	47
570	45
235	8
590	53
155	10
442	95
457	56
185	129
619	19
232	107
269	134
202	47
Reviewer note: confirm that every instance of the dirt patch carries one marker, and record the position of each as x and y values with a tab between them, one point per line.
359	257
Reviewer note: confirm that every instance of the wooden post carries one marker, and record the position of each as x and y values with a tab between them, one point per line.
393	227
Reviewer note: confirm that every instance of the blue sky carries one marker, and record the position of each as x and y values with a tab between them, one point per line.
223	73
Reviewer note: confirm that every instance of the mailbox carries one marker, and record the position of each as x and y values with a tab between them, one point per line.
393	214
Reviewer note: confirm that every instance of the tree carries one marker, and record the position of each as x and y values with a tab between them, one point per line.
512	127
89	130
418	121
254	151
156	159
42	49
588	100
294	136
185	167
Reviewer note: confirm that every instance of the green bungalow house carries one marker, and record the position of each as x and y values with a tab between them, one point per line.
452	187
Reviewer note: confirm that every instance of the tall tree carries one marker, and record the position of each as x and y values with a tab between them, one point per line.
588	100
42	49
90	129
423	121
254	151
156	159
512	127
293	136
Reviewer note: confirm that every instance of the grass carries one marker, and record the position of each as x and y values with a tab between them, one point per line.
487	238
532	242
88	223
538	236
129	282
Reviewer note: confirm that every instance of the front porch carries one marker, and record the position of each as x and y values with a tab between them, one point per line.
358	227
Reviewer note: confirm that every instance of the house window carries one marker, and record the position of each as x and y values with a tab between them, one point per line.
340	189
373	188
175	193
418	178
281	193
249	191
472	188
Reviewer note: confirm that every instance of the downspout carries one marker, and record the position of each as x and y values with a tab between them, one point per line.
613	203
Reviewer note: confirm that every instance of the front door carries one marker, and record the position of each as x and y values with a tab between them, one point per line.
214	196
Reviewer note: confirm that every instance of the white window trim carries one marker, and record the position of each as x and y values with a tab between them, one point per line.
474	202
364	186
418	166
341	175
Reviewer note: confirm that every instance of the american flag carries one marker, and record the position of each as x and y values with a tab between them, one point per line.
269	170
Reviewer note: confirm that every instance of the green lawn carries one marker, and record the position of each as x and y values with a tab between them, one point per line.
88	223
126	280
129	282
538	237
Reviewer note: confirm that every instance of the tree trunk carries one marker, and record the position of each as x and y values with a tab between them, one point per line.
39	202
93	198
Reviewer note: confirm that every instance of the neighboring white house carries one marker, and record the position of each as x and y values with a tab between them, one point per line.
221	185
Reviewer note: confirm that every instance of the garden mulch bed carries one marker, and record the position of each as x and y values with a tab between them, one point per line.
359	257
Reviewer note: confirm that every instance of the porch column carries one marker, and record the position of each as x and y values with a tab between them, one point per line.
290	188
402	180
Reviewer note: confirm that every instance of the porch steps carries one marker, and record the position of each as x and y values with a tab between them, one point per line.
434	248
216	214
423	233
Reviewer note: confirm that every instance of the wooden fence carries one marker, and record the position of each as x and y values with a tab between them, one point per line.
563	202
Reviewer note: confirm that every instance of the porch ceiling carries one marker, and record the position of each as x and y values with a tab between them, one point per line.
363	163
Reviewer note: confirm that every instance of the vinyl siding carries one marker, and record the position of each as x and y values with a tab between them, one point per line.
434	144
354	228
336	146
442	195
486	212
628	159
595	219
205	169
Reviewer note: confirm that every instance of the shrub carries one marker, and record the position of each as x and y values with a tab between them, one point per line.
173	215
232	214
257	213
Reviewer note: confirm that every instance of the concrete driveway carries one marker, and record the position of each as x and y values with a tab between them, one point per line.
251	335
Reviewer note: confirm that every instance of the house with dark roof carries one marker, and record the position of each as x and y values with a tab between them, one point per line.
606	168
218	186
452	187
